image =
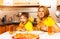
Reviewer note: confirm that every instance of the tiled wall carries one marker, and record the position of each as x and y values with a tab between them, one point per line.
11	11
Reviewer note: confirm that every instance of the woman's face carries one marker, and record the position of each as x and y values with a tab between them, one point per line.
23	19
41	13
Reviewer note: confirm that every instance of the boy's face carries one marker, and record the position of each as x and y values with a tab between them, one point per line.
41	13
23	19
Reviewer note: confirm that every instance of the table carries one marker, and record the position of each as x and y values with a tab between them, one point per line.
42	35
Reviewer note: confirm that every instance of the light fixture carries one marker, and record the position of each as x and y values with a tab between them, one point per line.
45	3
8	2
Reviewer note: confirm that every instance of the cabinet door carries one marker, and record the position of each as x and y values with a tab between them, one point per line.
8	2
1	2
10	27
7	28
2	29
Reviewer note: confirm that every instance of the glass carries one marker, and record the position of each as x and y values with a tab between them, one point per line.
11	29
49	30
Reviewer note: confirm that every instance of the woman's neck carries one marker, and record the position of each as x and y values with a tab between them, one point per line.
42	19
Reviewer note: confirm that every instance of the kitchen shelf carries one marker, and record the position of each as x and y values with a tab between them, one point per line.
22	5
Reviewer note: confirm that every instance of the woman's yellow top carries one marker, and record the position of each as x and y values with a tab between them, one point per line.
28	26
48	21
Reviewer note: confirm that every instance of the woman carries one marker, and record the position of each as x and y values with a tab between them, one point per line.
46	22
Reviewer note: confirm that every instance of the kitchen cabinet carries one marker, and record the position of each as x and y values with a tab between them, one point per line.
58	2
25	2
11	27
5	28
18	2
1	2
2	29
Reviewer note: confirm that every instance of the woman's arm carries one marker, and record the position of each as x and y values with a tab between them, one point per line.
42	27
56	28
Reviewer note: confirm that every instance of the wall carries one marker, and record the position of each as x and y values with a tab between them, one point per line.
15	10
7	11
33	11
58	2
53	9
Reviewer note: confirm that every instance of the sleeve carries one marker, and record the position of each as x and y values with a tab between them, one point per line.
49	21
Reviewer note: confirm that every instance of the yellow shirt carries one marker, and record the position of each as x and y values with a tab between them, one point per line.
28	26
49	21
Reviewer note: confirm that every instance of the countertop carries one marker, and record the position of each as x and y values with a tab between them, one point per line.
8	23
17	22
12	22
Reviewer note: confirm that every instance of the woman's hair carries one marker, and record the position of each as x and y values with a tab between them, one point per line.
25	14
46	11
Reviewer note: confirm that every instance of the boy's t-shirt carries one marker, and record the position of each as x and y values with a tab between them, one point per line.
28	26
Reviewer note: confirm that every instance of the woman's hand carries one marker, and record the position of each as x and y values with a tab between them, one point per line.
42	27
56	28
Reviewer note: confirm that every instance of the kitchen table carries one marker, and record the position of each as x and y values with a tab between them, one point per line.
42	35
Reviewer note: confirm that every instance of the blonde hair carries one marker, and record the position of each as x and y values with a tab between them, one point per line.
46	11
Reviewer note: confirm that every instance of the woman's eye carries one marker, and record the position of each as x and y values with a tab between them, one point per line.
41	11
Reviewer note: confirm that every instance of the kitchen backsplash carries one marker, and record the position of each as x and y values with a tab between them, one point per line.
11	11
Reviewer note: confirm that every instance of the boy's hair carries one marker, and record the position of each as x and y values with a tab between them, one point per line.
46	11
25	14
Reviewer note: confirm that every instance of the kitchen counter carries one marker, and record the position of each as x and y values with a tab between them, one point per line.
9	23
42	35
13	22
7	26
